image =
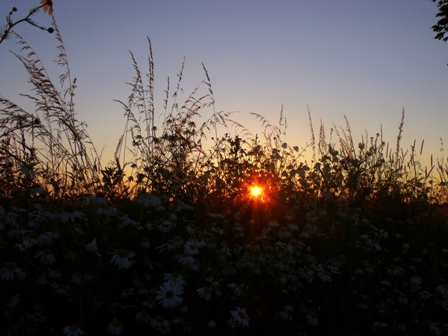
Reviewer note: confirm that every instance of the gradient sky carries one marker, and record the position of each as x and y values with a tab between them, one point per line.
366	59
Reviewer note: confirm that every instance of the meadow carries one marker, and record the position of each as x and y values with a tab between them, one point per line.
245	237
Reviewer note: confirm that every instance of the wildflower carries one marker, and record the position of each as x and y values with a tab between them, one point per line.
237	289
442	289
92	246
121	258
69	214
175	278
144	243
61	289
312	319
142	317
7	272
185	258
13	301
72	330
149	302
374	243
403	298
325	275
284	233
88	276
191	249
273	223
78	230
127	292
416	280
168	295
46	256
76	278
191	229
160	324
307	274
305	234
205	293
54	274
395	270
149	200
195	265
363	306
425	295
239	315
115	327
370	268
41	280
285	314
47	6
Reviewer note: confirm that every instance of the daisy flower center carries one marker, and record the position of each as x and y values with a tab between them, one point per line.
123	253
73	327
116	324
169	294
47	251
11	266
242	315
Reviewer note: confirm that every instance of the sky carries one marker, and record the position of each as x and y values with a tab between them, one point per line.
363	59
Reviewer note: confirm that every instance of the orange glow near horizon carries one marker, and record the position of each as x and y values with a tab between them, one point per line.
256	191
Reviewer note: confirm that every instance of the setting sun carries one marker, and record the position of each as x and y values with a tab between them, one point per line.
256	191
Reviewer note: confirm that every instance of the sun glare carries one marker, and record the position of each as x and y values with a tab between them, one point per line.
256	191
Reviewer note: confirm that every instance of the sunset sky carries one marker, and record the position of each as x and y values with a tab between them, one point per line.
364	59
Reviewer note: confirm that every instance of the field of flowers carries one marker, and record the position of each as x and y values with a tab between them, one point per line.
172	238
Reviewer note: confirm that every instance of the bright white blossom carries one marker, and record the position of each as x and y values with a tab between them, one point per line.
121	258
239	315
142	317
92	247
312	319
72	330
115	327
442	289
175	278
205	293
8	271
168	294
46	256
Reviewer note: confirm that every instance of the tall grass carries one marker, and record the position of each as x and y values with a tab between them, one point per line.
166	237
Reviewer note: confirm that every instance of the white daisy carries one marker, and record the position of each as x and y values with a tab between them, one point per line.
175	278
92	247
312	319
46	256
115	327
307	274
416	280
72	330
185	258
237	289
239	315
121	258
284	233
205	292
325	275
149	302
285	314
160	324
192	249
144	243
402	298
13	301
168	295
7	272
442	289
142	317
